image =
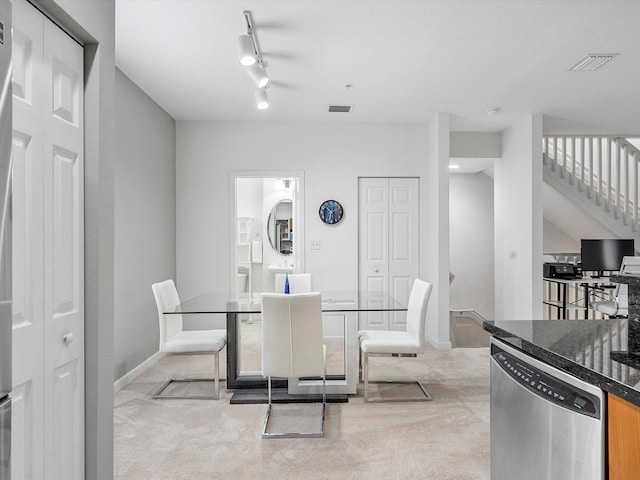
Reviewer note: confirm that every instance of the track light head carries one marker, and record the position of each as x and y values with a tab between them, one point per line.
262	102
247	51
258	75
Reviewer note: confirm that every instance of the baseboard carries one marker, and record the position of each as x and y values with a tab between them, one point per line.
129	377
439	345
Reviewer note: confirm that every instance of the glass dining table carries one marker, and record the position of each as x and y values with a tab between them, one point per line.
341	312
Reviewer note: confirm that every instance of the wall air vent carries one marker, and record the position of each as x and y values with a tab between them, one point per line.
592	61
340	108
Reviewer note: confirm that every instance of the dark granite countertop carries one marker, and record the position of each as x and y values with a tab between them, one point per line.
580	347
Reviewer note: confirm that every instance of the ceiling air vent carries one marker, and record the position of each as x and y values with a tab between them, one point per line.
591	62
340	108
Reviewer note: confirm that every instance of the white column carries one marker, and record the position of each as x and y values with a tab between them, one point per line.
518	222
434	228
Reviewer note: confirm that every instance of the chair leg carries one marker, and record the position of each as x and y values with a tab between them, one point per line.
365	375
424	398
319	434
216	385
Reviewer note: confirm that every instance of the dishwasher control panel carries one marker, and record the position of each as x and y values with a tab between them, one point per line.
546	386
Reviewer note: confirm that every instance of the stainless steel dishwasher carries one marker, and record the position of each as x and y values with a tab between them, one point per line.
545	424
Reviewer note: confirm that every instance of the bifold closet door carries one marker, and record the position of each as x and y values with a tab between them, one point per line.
388	244
48	193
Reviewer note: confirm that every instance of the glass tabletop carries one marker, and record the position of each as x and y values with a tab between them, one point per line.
331	302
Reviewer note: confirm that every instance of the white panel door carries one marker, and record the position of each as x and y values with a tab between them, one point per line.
48	354
63	255
404	241
27	423
373	248
388	243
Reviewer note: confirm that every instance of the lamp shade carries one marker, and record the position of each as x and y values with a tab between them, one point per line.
247	53
262	101
258	75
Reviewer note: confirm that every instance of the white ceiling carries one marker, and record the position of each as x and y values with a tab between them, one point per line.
406	60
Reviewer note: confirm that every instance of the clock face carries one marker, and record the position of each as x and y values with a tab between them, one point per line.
331	212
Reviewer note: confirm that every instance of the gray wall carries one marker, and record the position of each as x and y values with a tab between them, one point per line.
145	227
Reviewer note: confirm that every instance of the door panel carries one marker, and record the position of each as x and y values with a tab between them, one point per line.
28	273
63	255
24	447
404	241
374	245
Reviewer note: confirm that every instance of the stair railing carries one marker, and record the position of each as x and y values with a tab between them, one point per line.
605	167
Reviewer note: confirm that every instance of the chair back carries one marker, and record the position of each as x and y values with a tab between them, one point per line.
298	282
167	299
417	310
292	335
630	266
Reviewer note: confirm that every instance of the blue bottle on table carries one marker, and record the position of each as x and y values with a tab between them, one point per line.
286	283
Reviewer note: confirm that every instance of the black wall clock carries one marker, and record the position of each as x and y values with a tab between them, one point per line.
331	212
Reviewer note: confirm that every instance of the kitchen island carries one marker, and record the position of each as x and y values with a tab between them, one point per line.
583	348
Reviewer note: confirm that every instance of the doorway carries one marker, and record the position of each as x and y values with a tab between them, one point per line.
267	227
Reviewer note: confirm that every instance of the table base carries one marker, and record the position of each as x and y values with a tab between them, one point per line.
280	395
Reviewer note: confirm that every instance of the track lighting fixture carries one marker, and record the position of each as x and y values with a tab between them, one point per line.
251	57
258	75
262	101
247	53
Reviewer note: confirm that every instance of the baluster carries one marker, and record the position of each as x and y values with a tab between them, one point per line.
627	180
563	163
555	154
636	190
581	183
609	182
618	180
600	195
572	175
590	189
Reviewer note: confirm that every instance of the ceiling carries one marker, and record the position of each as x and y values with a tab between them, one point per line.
405	60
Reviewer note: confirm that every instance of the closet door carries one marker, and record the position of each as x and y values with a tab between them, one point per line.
63	256
27	422
373	245
404	243
48	348
388	244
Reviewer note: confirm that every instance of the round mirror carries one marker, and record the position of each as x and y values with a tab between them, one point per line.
280	227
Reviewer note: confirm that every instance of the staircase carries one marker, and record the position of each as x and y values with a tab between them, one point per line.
600	174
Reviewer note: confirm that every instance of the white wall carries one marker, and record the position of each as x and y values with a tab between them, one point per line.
471	242
518	222
332	157
556	240
145	199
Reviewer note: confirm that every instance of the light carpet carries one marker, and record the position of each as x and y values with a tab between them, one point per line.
445	439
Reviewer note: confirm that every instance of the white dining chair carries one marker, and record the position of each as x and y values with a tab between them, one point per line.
292	347
398	343
175	340
617	305
298	282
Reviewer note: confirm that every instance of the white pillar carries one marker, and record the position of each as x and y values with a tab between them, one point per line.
434	229
518	222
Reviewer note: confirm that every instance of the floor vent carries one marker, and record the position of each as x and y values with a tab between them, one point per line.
340	108
592	61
